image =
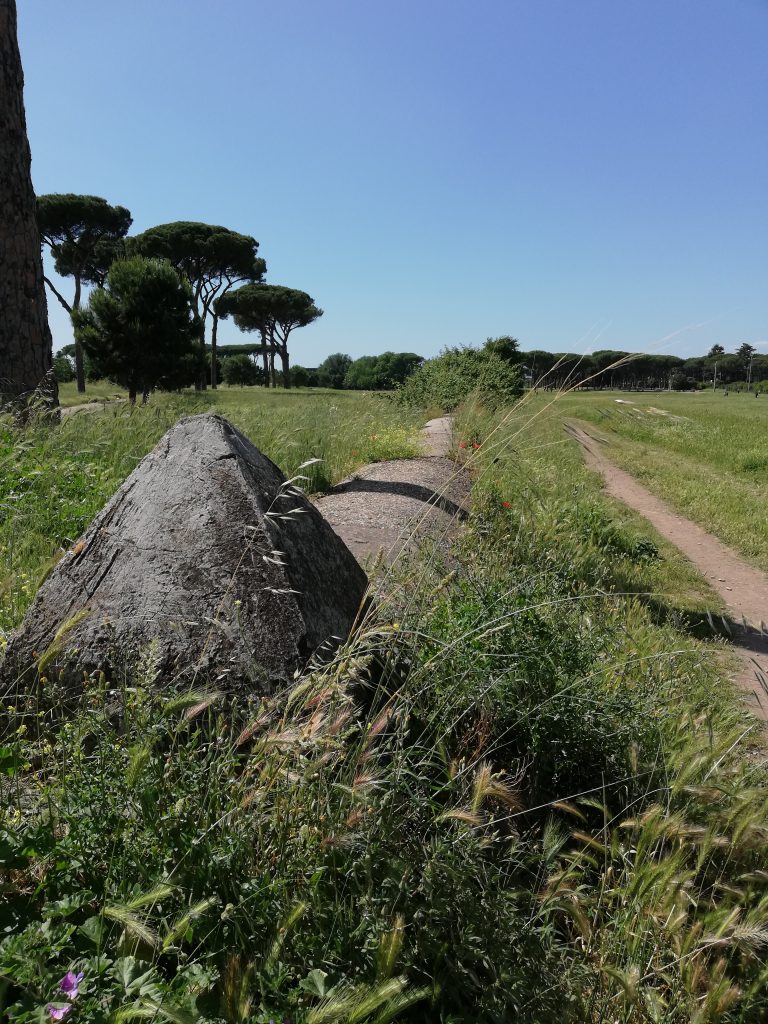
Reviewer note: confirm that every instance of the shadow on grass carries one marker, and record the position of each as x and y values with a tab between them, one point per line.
705	625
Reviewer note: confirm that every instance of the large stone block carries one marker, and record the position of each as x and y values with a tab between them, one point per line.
206	556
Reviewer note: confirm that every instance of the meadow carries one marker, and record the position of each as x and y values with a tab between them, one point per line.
550	806
704	453
97	391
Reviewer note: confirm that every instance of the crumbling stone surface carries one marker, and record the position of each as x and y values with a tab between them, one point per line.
206	557
387	509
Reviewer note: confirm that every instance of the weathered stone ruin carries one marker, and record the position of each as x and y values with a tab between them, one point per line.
208	559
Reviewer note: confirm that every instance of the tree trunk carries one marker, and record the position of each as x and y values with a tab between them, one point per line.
214	374
265	358
58	295
132	393
79	360
272	381
25	338
202	380
285	361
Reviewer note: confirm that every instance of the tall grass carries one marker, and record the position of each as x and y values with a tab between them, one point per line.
514	795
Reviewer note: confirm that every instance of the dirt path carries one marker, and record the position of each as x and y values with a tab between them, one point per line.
437	436
743	588
387	506
98	406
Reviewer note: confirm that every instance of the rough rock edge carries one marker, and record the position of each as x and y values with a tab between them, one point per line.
181	561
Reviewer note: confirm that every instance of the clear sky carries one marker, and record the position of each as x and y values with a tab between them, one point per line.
578	173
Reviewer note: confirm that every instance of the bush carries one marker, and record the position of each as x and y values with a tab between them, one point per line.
332	371
450	378
63	369
378	373
239	369
682	382
303	377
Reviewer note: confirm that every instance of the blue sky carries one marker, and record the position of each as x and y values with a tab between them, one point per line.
581	175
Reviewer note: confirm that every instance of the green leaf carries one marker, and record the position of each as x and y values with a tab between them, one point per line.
8	761
314	983
93	929
67	906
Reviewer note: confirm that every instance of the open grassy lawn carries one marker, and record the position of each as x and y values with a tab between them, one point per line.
705	454
545	469
95	391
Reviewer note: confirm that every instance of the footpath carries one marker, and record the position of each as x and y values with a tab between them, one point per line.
386	508
743	588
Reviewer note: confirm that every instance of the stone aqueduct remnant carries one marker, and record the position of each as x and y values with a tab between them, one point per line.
207	557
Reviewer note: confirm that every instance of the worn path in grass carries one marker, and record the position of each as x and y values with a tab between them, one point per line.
387	506
743	588
97	406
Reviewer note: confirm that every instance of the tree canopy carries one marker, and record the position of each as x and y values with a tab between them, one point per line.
82	233
506	347
333	370
140	329
73	227
379	373
213	259
273	310
615	368
745	352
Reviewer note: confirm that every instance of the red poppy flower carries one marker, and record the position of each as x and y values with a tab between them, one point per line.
506	504
462	444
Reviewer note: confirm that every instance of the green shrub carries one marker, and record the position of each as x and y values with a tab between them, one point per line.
140	329
450	378
63	369
240	369
607	534
682	382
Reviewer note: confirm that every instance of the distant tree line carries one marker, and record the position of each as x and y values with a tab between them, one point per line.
625	371
240	366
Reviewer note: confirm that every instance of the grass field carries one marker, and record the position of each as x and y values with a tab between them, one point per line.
95	391
549	808
551	474
104	390
707	455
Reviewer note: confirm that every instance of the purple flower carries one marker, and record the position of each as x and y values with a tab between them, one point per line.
70	984
58	1012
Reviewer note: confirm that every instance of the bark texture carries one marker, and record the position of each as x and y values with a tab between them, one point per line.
205	560
286	367
25	339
